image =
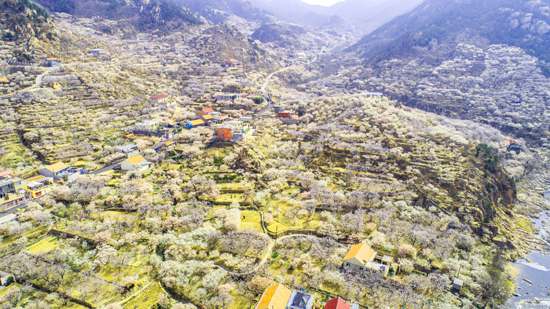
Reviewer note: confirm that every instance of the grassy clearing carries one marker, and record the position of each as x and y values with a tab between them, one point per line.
30	235
234	187
251	220
117	216
117	274
30	294
147	298
228	199
44	246
240	301
94	292
282	223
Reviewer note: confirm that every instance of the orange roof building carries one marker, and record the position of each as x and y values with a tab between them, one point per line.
135	162
360	255
224	134
276	296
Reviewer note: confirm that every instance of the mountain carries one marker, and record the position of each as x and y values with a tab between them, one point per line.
371	14
22	20
285	35
482	60
363	16
438	24
296	11
143	14
218	11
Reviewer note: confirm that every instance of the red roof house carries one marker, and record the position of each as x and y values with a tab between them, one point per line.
206	110
159	97
337	303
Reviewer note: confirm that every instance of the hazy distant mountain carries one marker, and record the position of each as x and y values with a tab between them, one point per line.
364	15
371	14
296	11
433	28
217	11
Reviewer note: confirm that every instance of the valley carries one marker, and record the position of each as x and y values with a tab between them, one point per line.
206	154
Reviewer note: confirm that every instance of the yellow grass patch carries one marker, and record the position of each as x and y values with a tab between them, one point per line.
43	246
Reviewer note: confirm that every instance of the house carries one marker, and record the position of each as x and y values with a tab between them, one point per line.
159	98
54	171
135	162
4	80
207	117
300	300
96	52
288	117
34	186
148	128
276	296
6	278
337	303
206	110
361	257
7	184
358	256
128	148
457	285
51	63
194	123
226	97
224	134
515	147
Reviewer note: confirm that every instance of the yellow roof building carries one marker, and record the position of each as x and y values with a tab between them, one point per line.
4	80
134	162
360	254
276	296
136	159
207	117
198	122
56	167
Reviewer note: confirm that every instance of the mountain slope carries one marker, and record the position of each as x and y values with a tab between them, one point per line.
143	14
482	60
437	24
217	11
22	19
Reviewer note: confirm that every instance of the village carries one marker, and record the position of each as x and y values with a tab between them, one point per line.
143	171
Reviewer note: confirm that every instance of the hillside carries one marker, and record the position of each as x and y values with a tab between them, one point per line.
464	59
217	11
432	30
142	14
22	20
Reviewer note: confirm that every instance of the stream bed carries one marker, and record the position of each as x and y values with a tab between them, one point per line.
533	281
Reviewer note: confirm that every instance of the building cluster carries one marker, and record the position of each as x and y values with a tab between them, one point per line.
359	259
278	296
